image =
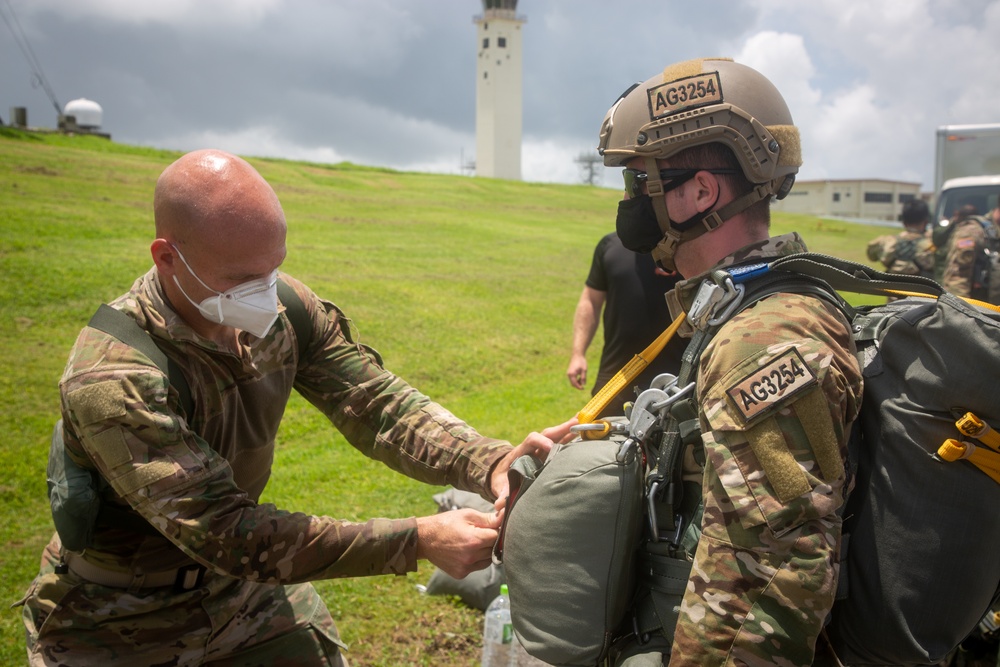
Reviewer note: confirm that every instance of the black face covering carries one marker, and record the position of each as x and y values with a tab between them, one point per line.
636	224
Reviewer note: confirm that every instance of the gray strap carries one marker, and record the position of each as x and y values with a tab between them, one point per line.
116	323
848	276
297	314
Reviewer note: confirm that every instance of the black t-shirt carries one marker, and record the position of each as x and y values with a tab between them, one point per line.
635	313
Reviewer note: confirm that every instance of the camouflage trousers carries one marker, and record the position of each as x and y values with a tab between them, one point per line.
224	623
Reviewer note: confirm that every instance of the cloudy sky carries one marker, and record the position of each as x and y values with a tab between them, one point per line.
392	82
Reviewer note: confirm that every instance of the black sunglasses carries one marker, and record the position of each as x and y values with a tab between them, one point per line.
672	178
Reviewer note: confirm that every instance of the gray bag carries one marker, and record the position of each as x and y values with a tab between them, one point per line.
585	498
922	535
72	495
920	563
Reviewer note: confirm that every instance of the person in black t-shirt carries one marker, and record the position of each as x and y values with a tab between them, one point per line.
630	288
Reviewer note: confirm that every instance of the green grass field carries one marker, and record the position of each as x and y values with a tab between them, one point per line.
466	286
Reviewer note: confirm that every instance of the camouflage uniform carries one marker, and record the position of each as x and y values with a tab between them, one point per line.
778	388
197	479
910	253
965	243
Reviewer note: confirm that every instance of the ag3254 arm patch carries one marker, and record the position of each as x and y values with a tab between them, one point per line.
770	385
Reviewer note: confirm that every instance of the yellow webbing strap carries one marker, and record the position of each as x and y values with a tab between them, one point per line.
986	460
974	427
631	371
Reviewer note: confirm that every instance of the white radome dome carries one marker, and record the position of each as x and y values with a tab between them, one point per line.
87	112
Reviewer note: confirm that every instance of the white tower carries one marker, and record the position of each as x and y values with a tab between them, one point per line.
499	90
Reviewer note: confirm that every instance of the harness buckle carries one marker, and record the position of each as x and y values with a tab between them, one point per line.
189	578
715	301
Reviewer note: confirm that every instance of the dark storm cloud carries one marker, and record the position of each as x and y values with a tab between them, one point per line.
387	82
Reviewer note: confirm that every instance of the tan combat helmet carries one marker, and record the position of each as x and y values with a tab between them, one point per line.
709	100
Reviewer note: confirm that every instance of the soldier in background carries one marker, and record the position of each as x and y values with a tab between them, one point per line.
203	573
967	270
706	144
910	252
629	287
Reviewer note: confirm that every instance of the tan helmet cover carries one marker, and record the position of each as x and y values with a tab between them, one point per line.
709	100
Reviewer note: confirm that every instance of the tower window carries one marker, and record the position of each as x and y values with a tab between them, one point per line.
486	42
502	42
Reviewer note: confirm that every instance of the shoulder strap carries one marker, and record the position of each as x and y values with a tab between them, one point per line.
297	315
990	230
756	283
847	276
116	323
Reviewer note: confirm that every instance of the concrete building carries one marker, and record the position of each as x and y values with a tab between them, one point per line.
867	199
499	90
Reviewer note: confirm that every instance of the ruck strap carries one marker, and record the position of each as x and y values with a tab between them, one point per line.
118	324
985	458
719	298
848	276
666	579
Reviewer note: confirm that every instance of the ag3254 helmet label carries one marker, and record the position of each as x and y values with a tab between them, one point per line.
682	94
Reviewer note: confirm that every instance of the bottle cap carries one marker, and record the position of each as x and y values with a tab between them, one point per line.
503	589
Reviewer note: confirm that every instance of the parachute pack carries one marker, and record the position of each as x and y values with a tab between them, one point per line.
597	555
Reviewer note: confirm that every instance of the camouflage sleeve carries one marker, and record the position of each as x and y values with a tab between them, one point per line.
383	416
117	407
779	389
957	276
924	257
881	249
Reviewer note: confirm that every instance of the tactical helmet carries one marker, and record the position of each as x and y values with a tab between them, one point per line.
697	102
710	100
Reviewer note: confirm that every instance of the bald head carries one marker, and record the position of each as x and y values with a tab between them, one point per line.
208	196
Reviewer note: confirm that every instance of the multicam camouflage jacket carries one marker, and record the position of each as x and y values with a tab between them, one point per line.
909	253
778	389
966	243
196	478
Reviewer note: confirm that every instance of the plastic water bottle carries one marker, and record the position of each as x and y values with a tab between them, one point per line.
498	633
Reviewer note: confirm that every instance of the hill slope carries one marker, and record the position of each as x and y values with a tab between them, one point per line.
466	286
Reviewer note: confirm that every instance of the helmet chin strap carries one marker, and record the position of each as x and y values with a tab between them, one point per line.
675	233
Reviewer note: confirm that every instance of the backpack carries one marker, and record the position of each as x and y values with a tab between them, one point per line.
985	270
75	492
919	566
985	283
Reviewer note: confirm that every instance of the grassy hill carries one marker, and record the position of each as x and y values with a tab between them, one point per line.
466	286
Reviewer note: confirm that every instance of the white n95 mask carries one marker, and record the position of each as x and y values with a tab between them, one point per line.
251	306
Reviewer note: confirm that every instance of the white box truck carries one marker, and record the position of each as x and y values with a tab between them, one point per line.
966	168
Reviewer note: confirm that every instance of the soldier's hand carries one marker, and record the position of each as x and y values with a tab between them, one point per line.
459	542
577	371
537	445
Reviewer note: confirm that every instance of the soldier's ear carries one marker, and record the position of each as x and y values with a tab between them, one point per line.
707	187
164	257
